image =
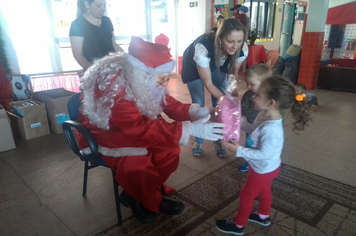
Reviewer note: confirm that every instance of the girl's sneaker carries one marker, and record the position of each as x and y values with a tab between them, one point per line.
254	217
229	227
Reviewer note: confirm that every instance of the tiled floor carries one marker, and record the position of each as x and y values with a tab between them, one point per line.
41	180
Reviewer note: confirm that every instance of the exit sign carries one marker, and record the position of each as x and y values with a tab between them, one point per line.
193	4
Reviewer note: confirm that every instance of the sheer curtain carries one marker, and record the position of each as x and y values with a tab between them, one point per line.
9	47
30	44
69	82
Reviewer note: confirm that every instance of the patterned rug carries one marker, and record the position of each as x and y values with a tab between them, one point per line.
303	204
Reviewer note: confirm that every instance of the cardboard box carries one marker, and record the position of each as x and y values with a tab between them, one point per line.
56	101
6	137
33	122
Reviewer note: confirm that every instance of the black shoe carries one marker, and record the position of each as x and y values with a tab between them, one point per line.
254	217
229	227
138	210
170	206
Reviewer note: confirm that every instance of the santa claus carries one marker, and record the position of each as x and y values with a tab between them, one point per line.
123	96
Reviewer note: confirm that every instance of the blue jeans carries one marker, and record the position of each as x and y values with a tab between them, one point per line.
196	90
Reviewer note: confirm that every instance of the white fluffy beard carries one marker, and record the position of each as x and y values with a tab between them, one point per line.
142	90
140	87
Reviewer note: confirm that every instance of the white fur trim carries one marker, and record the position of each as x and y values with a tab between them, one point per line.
118	152
165	68
186	126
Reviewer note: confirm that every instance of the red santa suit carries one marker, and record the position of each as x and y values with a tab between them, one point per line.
143	150
133	133
121	105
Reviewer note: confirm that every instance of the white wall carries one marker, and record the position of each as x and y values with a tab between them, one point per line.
335	3
192	22
297	34
317	12
208	15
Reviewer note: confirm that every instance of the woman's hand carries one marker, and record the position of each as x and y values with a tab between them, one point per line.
235	93
213	110
214	114
232	146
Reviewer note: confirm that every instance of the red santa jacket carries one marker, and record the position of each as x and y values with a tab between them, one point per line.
131	133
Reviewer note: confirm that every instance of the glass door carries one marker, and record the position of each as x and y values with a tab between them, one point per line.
287	27
164	21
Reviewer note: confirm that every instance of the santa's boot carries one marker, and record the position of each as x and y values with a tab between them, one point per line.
170	206
138	210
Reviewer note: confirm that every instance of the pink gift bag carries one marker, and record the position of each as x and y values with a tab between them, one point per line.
229	113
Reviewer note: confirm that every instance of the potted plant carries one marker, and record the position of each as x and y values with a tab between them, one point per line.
253	35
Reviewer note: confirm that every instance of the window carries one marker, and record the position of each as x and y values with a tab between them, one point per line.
262	16
30	39
128	18
63	13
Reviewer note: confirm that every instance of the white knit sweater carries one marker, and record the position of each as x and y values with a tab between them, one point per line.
264	156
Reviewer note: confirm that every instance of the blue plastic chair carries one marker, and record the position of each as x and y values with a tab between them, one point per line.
90	160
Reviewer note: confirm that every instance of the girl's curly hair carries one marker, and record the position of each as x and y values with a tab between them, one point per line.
283	92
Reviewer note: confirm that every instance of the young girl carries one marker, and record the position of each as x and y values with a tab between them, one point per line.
264	156
253	77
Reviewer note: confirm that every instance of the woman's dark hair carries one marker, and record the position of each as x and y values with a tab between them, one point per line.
225	29
283	92
81	6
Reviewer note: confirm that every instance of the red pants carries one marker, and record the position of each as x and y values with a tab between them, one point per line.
141	176
255	185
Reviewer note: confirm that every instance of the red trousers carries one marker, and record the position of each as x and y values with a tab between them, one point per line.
255	185
142	176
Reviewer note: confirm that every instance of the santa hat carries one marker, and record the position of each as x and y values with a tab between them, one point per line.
162	39
149	57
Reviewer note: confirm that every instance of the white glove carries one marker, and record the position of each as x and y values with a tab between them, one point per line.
209	131
196	112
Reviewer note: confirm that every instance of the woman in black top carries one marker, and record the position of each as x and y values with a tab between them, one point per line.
92	33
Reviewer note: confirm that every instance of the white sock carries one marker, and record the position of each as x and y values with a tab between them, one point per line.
239	226
263	217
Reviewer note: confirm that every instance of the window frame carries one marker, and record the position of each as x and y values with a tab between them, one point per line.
270	5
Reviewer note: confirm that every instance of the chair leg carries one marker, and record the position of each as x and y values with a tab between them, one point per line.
86	168
163	190
116	191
